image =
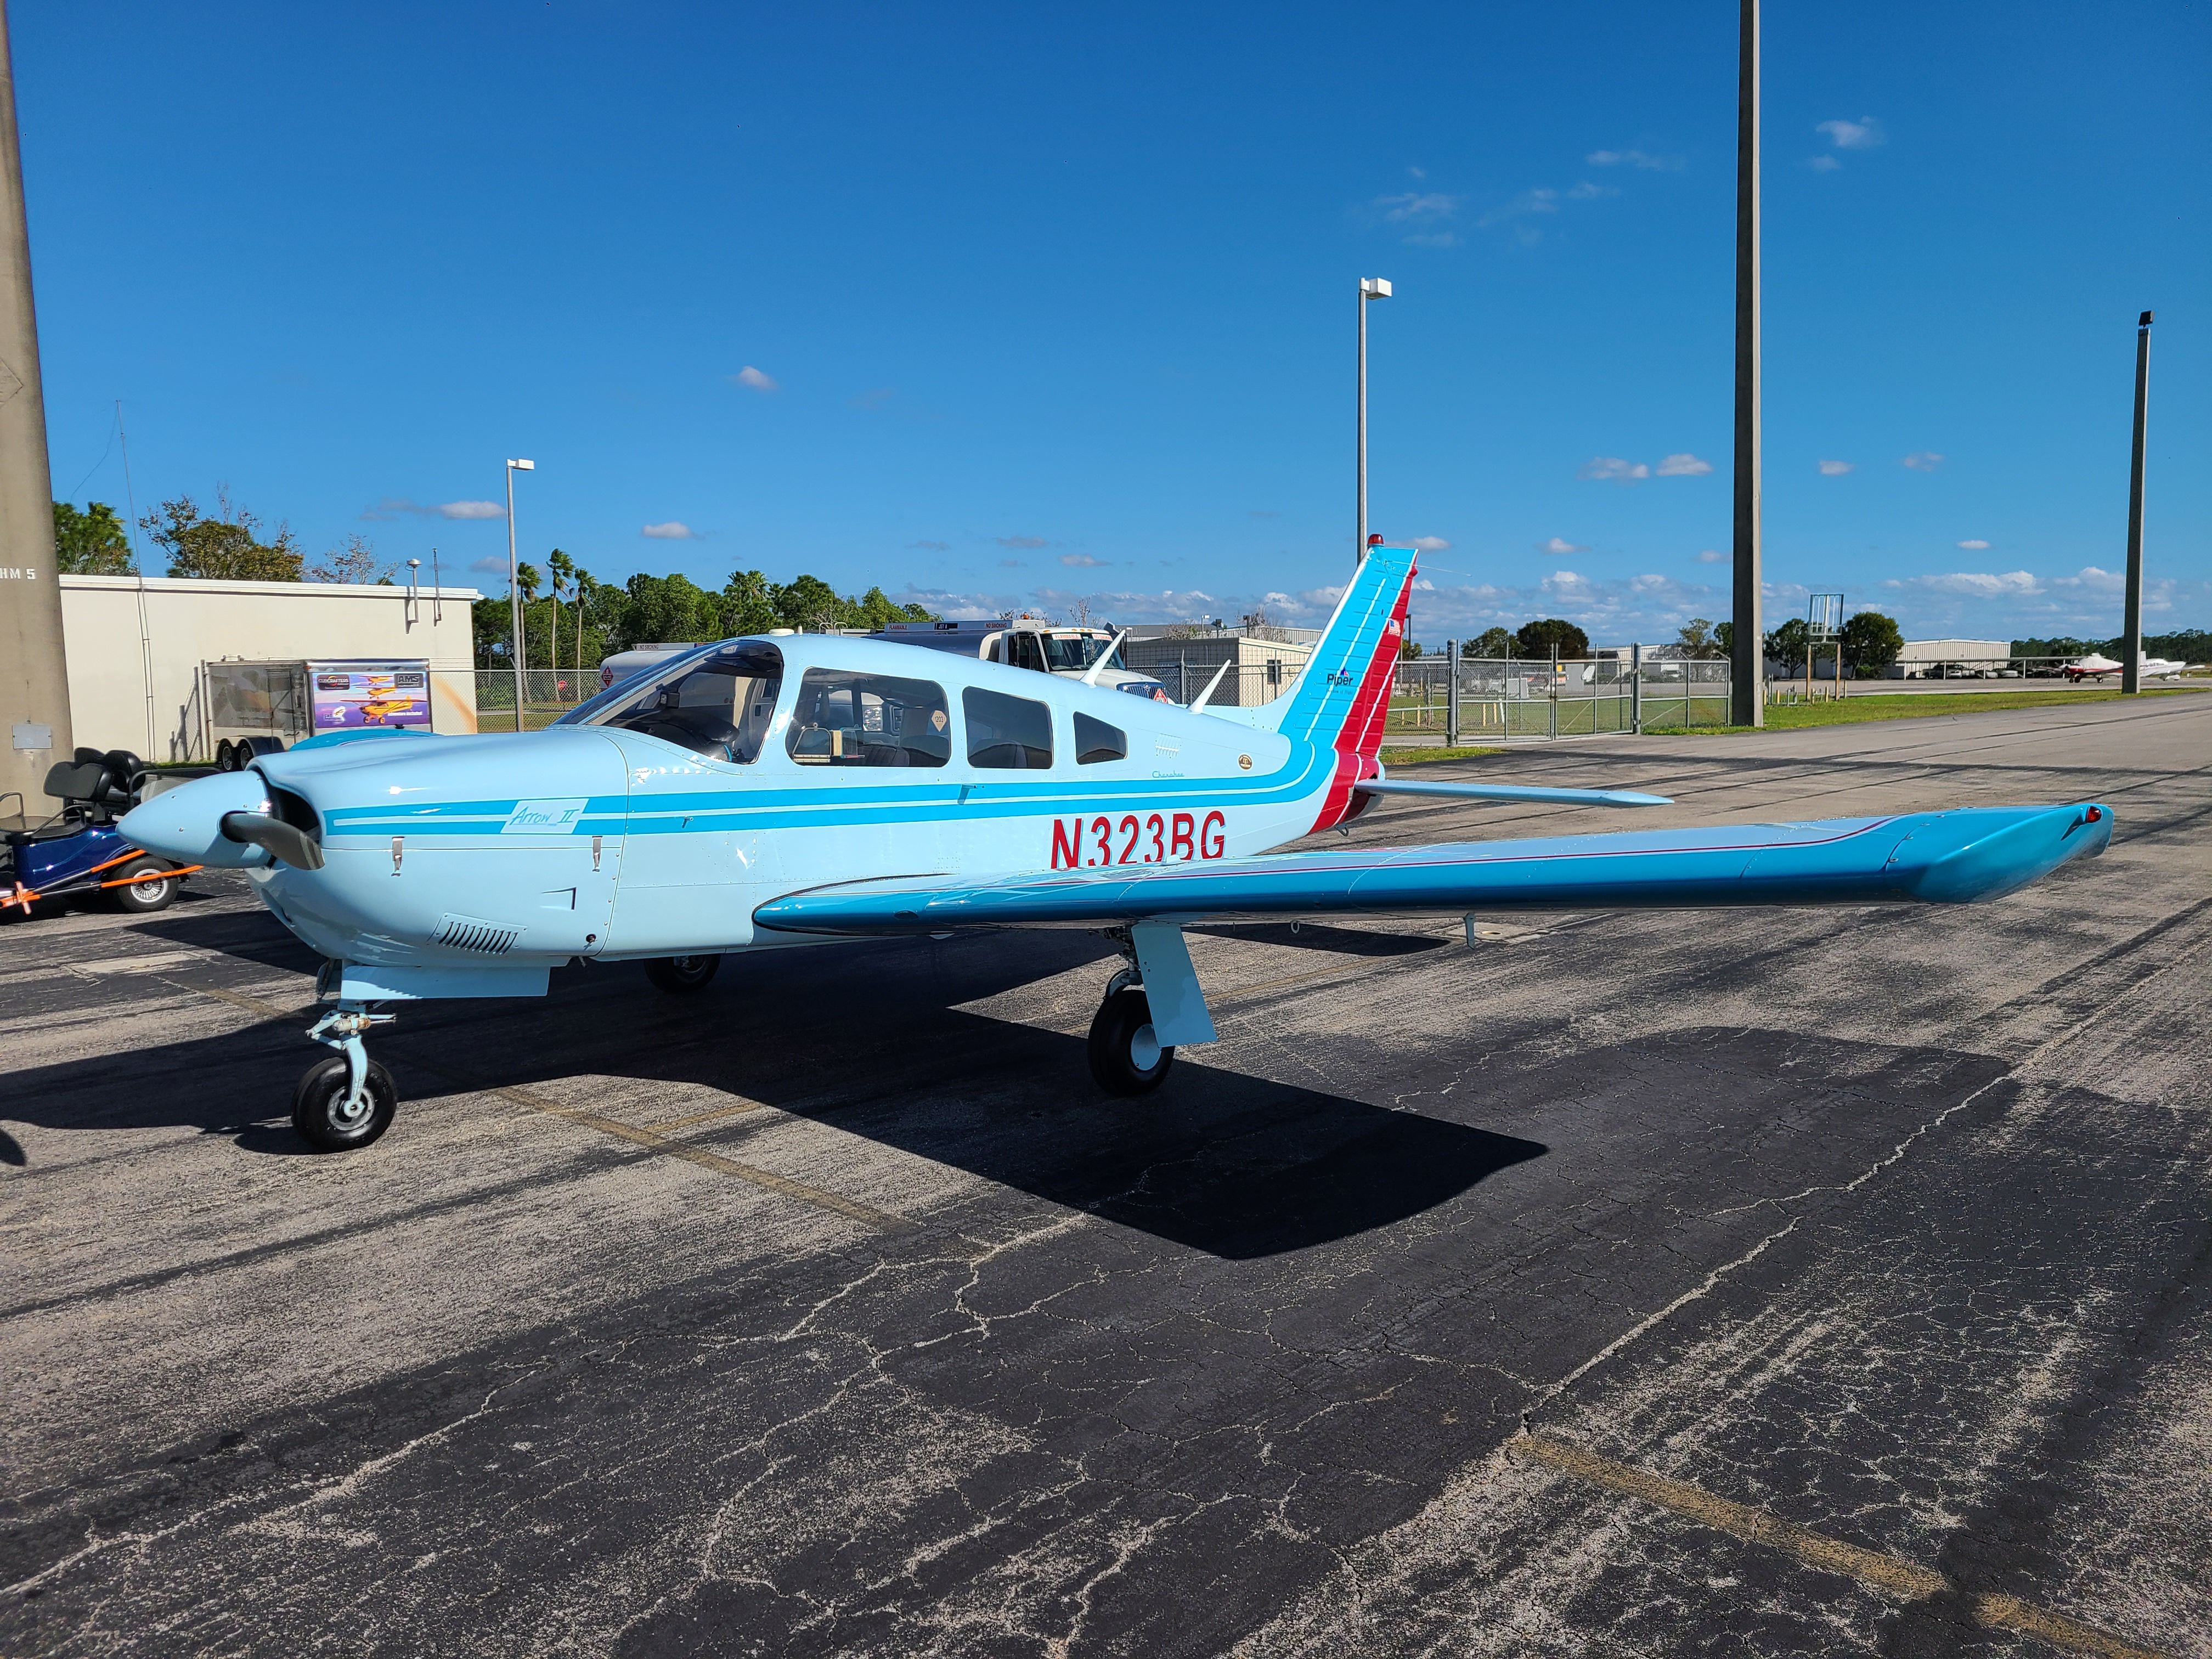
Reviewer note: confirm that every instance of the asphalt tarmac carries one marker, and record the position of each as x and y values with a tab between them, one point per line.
1760	1282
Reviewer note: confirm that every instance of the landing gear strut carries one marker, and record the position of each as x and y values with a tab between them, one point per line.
1126	1057
346	1101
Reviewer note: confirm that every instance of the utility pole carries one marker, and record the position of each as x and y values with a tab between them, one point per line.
1747	652
1370	287
2131	625
33	672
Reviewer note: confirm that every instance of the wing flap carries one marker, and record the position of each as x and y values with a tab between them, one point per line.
1954	857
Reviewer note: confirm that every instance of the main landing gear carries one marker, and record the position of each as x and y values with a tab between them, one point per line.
681	976
1126	1057
347	1101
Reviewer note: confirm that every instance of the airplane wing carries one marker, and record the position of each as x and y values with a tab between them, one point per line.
1951	857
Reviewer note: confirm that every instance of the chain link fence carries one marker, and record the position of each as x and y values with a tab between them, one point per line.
1476	699
548	694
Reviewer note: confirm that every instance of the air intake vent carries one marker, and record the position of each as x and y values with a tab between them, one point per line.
492	939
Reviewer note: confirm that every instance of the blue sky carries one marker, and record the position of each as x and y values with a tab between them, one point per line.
1000	306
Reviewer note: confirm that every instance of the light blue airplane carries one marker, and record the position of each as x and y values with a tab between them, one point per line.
780	791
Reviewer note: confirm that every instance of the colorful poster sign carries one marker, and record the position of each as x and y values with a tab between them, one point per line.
346	699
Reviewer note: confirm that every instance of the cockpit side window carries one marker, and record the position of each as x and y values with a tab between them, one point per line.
845	719
718	704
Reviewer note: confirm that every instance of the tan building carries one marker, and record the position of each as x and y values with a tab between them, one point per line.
138	646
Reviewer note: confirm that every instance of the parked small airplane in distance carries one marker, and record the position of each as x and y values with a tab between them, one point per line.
2096	666
768	792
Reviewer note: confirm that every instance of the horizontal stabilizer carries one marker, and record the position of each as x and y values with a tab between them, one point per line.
1954	857
1513	791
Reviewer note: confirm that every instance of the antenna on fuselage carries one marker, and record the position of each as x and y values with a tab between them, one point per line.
1091	674
1198	702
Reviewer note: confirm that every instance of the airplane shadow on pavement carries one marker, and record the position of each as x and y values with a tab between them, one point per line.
868	1039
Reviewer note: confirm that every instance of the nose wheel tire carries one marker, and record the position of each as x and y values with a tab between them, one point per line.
319	1107
681	976
1125	1055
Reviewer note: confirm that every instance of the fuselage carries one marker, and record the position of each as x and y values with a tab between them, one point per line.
517	854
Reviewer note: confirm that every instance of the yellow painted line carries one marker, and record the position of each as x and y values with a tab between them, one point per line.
697	1118
767	1180
1903	1580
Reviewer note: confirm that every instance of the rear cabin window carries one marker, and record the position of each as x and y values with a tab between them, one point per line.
1096	741
868	719
1008	734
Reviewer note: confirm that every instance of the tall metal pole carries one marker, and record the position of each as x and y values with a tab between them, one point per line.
514	599
1359	535
1748	652
2131	625
1370	287
34	711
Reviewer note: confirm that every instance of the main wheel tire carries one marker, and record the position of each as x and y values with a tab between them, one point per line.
318	1106
681	975
142	898
1125	1056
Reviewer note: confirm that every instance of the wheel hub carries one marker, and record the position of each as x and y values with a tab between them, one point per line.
1144	1048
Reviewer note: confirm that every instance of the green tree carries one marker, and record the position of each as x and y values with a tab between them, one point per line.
1534	640
1491	643
1789	644
810	604
748	604
1408	648
1697	638
91	542
1871	642
667	610
224	548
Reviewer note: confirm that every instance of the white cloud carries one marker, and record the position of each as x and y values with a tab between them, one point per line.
1975	584
1418	207
1824	164
1013	564
752	380
1528	202
673	530
1975	546
1430	544
1713	556
1024	541
1634	158
391	506
1865	133
2103	581
1081	560
1834	469
1559	546
1923	460
1681	466
1611	469
1587	191
932	547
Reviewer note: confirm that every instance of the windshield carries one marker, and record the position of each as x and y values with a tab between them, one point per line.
1077	651
717	703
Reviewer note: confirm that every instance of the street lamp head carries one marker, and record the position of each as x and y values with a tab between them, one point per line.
524	466
1374	288
414	564
2143	321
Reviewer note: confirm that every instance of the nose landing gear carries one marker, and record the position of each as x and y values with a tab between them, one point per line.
346	1101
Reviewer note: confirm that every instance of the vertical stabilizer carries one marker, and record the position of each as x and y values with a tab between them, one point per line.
1343	691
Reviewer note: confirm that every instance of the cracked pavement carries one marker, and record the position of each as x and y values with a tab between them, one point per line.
834	1311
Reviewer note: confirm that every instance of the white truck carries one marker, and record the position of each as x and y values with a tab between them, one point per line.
1070	652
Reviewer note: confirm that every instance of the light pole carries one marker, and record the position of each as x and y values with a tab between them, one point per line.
2131	622
514	587
1370	287
1746	672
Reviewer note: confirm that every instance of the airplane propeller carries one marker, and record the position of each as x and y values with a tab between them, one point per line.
285	842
